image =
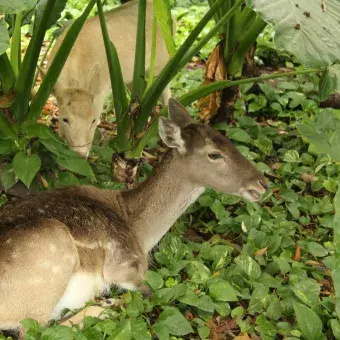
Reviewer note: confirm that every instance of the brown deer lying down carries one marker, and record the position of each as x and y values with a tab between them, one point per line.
61	248
85	81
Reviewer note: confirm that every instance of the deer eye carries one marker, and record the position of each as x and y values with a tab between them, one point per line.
93	121
65	120
215	156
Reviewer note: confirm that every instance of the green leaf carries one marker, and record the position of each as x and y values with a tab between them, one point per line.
335	324
26	167
292	156
4	37
303	28
316	249
56	14
161	331
175	322
329	82
122	332
163	14
58	333
239	135
8	177
203	332
36	130
6	146
249	266
155	280
77	165
223	291
16	6
308	321
308	291
66	179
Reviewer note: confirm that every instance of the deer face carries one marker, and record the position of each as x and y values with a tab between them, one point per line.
77	120
210	158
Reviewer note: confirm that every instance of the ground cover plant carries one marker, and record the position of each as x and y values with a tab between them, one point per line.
230	269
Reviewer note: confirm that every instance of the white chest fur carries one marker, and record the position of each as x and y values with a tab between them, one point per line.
81	288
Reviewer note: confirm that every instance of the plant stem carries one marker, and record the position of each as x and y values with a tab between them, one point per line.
7	127
236	62
7	75
153	53
205	90
16	44
138	83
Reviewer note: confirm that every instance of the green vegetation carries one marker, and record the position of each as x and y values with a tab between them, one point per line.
228	268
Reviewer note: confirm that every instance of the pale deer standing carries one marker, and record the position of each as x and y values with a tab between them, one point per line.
60	249
85	81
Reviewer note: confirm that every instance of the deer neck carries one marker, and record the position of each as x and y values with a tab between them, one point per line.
155	205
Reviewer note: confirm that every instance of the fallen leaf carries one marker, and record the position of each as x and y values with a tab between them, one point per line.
297	254
308	178
260	252
215	71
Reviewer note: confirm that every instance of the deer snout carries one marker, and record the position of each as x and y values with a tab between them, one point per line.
83	151
253	191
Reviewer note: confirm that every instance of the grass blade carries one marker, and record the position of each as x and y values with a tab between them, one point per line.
138	83
121	103
58	64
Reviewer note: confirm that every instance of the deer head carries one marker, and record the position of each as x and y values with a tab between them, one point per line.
78	118
210	158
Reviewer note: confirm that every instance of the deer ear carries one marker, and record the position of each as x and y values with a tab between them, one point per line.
93	79
57	89
179	114
170	134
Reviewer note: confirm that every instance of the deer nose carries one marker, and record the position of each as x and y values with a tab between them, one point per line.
83	151
252	192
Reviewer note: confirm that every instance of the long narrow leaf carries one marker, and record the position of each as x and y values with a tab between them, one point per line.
163	14
117	83
6	127
153	53
152	94
336	242
236	62
16	44
58	64
25	78
138	83
7	75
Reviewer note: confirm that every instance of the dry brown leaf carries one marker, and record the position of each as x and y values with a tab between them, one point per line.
244	336
215	71
308	178
297	254
260	252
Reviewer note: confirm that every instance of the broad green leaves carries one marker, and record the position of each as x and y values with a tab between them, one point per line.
223	291
16	6
323	133
308	321
329	82
304	28
26	167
